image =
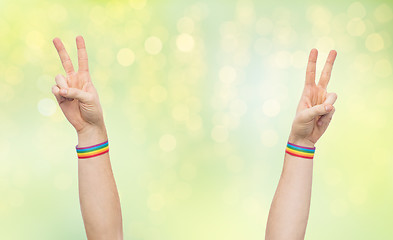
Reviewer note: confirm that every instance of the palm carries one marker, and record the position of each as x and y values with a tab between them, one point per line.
313	95
72	109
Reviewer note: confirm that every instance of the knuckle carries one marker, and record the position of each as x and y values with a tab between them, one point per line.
67	61
326	74
311	73
54	89
73	91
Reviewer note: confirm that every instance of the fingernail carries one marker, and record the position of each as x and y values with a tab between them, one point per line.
63	91
328	108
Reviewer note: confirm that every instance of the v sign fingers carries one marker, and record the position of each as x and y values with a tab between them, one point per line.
327	70
315	102
82	55
64	57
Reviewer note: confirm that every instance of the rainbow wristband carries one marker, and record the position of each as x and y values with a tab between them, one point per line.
92	151
299	151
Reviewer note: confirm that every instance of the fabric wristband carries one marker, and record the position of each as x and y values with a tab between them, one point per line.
299	151
92	151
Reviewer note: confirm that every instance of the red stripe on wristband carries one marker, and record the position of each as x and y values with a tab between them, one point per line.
95	155
296	155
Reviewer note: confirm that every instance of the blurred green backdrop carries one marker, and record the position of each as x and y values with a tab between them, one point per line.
198	98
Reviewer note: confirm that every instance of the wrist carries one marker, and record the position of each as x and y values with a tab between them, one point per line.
300	141
92	135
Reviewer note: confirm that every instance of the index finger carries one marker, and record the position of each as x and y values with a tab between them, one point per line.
311	66
65	59
82	54
327	70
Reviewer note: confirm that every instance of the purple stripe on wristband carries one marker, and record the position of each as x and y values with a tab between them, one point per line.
300	146
91	146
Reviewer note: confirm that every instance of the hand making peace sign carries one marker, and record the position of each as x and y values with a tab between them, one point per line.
315	109
75	93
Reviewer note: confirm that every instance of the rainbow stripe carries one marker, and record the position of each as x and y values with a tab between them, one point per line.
93	151
299	151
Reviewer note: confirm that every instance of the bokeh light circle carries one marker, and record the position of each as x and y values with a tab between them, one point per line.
125	57
167	143
374	42
185	42
47	107
153	45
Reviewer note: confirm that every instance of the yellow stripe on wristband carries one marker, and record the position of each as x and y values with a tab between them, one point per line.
300	153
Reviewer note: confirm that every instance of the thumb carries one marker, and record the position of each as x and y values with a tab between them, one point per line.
318	110
75	93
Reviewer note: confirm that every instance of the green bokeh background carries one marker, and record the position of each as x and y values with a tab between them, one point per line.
198	98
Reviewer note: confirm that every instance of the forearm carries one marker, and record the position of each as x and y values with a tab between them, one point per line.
99	199
291	203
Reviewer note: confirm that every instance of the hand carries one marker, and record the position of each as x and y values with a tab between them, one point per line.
75	93
315	109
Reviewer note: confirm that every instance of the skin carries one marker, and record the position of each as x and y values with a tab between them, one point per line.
78	99
290	208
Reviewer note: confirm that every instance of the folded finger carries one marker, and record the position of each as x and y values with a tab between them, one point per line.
330	98
315	112
61	81
56	92
74	93
326	119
